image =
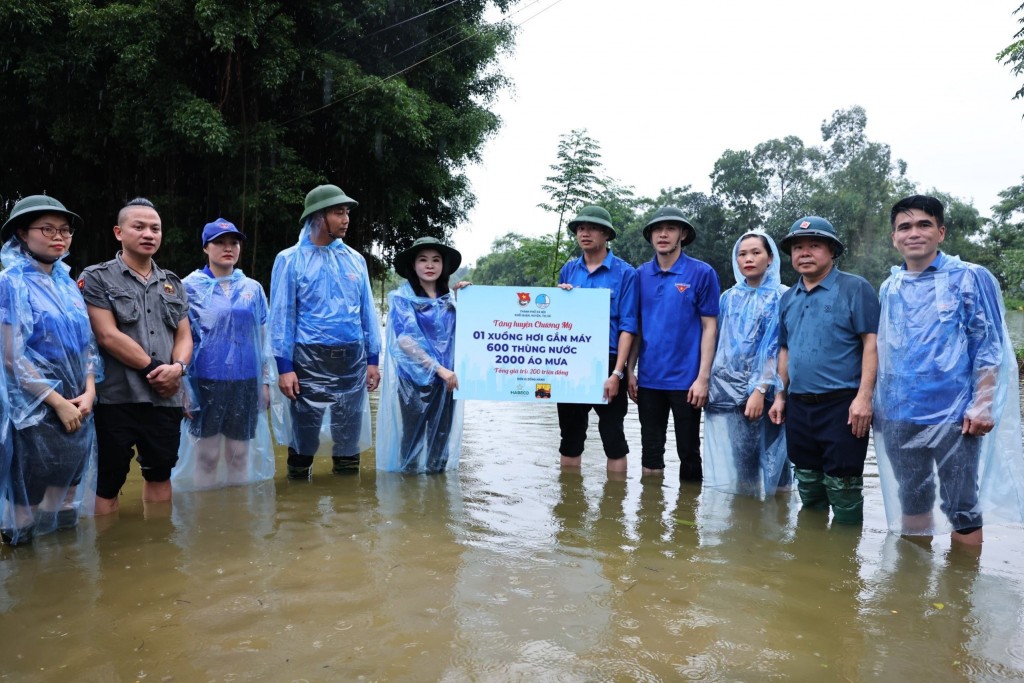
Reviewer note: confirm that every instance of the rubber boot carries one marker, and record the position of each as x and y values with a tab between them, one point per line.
299	466
811	486
299	472
345	465
846	495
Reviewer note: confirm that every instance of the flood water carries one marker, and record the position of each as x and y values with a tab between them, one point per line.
508	570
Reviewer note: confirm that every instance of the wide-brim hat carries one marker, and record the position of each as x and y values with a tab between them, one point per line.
325	196
405	260
670	214
33	205
594	215
812	226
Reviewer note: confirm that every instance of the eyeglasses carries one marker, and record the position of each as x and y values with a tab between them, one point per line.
52	230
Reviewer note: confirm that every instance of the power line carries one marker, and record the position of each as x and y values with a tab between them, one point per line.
474	34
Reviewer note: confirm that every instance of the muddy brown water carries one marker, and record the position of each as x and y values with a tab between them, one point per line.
509	570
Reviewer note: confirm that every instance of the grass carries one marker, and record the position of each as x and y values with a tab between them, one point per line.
1013	304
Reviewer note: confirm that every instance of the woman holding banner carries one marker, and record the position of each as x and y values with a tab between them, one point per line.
419	422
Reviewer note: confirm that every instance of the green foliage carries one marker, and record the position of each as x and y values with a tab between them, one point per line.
518	260
573	185
1013	54
220	108
850	179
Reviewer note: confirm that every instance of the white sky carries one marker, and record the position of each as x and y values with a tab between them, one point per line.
666	86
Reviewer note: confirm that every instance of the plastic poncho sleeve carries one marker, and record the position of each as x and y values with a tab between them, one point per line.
282	311
44	335
412	355
984	326
368	315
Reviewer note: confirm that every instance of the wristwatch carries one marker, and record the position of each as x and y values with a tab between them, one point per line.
762	389
184	368
619	373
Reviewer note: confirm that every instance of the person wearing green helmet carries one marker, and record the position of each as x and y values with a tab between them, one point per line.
52	366
828	358
325	338
678	324
599	268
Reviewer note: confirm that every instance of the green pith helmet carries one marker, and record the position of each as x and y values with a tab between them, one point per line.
670	214
25	209
405	260
812	226
324	196
594	215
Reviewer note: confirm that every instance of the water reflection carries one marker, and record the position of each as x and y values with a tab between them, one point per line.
509	570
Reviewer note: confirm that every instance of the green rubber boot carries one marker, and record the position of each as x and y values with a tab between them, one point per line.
846	495
810	484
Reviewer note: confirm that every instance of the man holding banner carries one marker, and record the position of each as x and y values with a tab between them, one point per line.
598	268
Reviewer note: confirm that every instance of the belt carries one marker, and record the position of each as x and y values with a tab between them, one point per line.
824	398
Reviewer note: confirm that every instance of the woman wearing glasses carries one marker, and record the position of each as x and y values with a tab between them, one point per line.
52	365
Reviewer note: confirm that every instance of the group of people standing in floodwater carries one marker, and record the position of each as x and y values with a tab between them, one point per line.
133	362
791	380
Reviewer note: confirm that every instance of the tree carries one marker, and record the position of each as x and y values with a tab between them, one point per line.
742	187
238	109
858	184
575	183
1004	241
516	260
1013	54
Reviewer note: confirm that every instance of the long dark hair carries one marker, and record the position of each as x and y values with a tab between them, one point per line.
442	280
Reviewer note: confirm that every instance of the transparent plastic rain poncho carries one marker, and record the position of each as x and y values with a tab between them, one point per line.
944	353
742	456
47	345
225	436
419	424
323	323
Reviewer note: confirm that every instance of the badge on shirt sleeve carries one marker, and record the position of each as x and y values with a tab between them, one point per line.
168	288
81	284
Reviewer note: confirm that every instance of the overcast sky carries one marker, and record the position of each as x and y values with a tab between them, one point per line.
666	86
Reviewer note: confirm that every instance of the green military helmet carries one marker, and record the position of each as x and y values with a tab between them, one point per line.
325	196
404	261
25	209
670	214
812	226
594	215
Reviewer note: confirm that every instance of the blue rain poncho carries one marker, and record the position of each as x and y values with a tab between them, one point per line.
48	345
944	353
742	456
419	423
225	436
323	327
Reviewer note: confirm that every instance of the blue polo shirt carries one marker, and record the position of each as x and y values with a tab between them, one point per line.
940	329
822	329
672	302
619	278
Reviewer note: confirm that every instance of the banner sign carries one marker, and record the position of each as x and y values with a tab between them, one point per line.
535	344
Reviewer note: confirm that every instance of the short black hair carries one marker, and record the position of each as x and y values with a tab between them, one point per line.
138	201
930	205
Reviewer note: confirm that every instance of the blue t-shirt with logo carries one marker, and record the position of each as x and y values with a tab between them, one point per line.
672	302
